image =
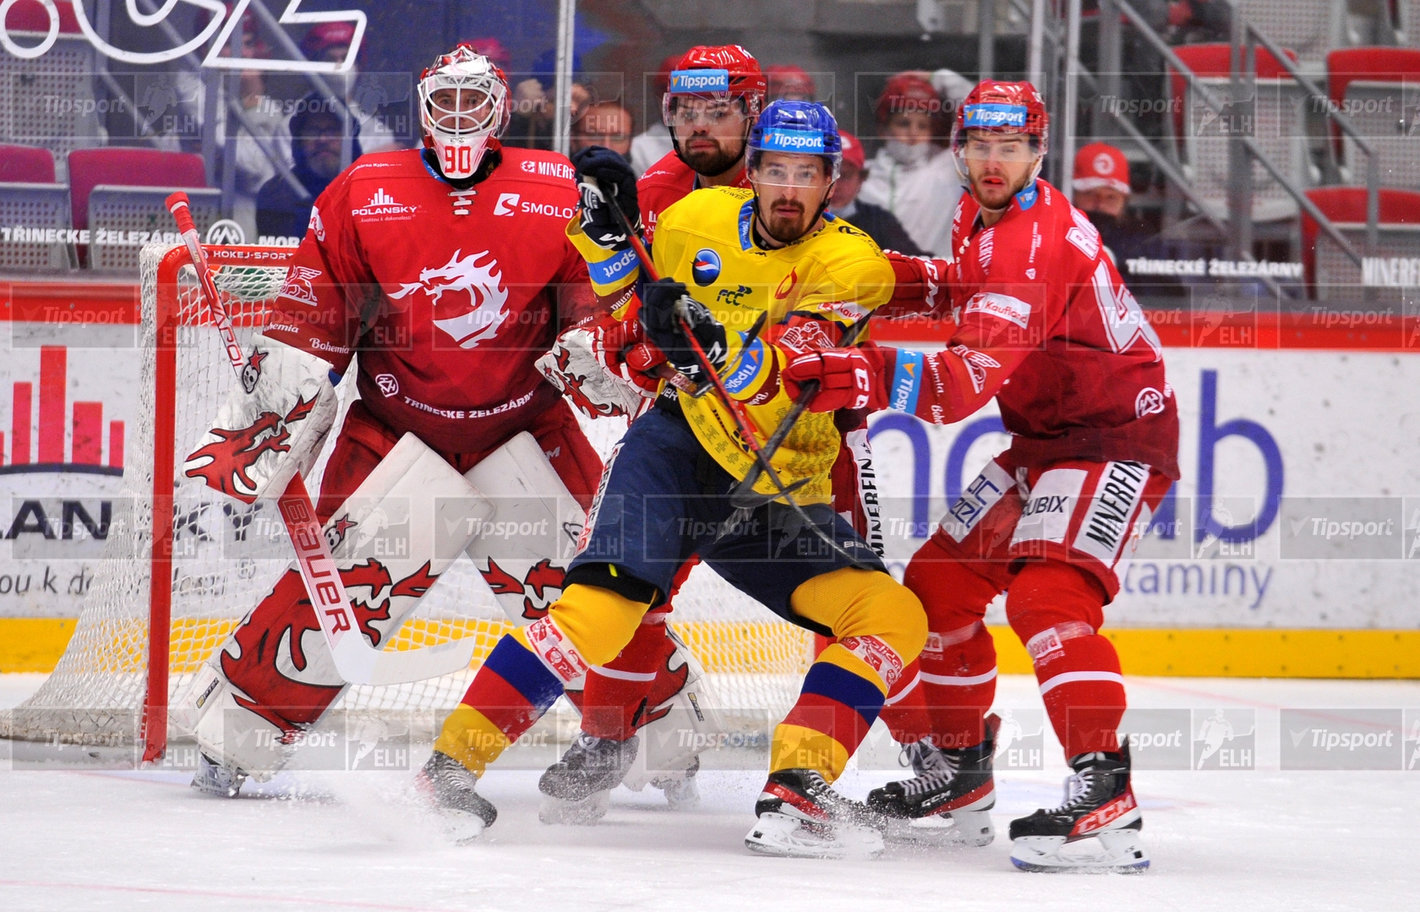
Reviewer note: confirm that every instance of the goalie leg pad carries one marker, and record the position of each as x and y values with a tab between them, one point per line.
274	676
523	547
679	728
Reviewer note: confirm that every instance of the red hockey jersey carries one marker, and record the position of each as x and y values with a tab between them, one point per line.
1045	325
447	296
664	183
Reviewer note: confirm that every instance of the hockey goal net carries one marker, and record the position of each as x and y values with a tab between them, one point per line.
185	563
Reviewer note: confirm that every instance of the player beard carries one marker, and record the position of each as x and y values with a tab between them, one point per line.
708	161
782	224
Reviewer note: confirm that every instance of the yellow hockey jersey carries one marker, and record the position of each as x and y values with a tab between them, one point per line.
836	274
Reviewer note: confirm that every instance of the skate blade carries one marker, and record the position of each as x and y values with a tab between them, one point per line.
1117	851
461	827
788	837
958	830
560	811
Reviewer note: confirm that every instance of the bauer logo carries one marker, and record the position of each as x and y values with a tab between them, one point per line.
994	115
1224	739
705	267
1020	739
1341	739
686	81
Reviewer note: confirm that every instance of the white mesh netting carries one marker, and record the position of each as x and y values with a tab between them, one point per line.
226	555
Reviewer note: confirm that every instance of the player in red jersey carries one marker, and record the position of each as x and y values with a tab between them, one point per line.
714	95
1094	428
448	270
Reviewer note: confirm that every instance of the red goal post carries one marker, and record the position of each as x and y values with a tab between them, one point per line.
183	563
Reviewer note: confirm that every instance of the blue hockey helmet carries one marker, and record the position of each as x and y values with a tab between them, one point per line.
801	127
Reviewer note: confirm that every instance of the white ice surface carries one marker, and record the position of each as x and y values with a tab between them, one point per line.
1253	840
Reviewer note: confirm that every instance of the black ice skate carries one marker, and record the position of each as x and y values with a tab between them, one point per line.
449	786
801	816
212	778
1096	829
578	787
948	801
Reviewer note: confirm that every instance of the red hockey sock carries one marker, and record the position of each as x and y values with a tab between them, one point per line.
1056	610
959	661
905	710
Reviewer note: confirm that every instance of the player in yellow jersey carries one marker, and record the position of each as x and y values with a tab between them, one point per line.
664	499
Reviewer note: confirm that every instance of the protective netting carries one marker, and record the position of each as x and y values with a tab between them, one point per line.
227	555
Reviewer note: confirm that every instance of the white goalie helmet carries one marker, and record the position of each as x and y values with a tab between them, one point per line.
463	104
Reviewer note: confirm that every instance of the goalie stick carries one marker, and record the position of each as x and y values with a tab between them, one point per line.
732	405
355	658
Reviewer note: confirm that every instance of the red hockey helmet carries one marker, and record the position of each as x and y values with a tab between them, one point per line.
458	134
722	71
1003	107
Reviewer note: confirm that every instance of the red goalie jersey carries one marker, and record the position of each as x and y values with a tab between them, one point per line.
1046	325
447	295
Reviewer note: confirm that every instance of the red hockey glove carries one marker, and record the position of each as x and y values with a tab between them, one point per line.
848	378
622	348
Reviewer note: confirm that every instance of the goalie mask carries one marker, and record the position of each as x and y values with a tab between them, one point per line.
463	106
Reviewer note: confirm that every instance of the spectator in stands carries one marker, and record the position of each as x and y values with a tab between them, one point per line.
259	135
913	175
880	224
330	42
534	106
604	123
317	142
654	143
1198	21
790	83
1100	183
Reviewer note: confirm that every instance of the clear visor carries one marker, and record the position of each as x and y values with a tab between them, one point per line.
701	110
1013	148
810	171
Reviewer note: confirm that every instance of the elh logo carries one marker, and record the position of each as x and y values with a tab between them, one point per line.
1224	739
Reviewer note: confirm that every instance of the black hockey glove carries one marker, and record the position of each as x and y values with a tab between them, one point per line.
605	180
665	305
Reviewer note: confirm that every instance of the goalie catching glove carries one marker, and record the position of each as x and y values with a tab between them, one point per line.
605	369
271	427
601	172
667	312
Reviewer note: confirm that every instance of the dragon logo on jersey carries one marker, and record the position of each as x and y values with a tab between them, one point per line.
486	309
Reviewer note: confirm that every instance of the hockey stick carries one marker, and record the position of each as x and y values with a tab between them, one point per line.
744	497
355	659
731	404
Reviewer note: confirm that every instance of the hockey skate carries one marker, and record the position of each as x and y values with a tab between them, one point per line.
680	789
801	816
449	787
1096	829
212	778
577	788
948	801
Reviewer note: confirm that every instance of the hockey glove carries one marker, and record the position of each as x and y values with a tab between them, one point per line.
606	180
848	378
667	311
604	368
